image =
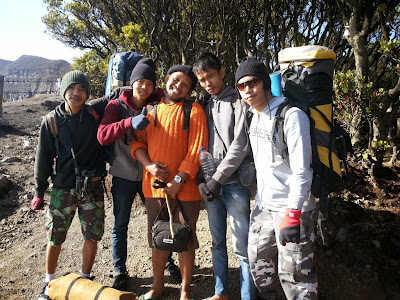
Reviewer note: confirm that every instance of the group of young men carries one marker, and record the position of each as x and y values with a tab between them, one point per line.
149	143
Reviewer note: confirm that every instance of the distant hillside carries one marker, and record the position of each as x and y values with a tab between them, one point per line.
30	75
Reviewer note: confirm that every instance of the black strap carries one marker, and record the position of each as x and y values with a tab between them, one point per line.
277	125
187	107
124	114
70	287
153	107
97	296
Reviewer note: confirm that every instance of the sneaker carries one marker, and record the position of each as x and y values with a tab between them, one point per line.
43	295
174	271
121	282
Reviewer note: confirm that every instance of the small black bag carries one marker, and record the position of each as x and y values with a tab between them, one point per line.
163	240
246	173
169	235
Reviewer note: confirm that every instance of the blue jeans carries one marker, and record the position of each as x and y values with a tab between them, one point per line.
234	201
124	192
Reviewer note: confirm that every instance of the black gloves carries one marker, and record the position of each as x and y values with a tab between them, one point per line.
214	188
205	192
210	190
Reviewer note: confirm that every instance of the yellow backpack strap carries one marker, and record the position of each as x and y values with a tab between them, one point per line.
51	117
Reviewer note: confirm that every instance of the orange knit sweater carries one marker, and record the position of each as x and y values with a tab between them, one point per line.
168	143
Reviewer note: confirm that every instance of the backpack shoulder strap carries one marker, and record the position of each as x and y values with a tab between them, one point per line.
124	114
278	125
123	109
51	118
153	107
187	108
92	112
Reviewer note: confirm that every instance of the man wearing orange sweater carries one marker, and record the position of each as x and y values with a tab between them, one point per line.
172	155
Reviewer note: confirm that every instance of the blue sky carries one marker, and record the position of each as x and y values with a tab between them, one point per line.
22	32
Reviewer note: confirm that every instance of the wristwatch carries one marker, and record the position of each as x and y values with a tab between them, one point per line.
179	179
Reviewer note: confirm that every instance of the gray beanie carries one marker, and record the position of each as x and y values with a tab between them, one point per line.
252	66
185	70
71	78
144	69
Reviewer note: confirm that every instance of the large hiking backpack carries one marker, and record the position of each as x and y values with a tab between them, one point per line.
120	68
307	79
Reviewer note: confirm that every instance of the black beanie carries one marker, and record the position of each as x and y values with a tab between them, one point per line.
186	70
71	78
144	69
252	66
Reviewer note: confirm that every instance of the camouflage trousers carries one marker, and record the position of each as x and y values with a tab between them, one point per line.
61	211
296	270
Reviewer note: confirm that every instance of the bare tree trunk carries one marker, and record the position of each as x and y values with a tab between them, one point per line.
355	127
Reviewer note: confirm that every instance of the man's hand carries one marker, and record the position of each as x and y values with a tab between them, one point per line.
37	203
205	192
140	122
172	188
214	187
157	170
290	227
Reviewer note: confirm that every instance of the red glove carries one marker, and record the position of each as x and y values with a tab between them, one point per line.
290	227
37	203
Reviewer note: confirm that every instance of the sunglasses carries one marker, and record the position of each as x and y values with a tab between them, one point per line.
250	83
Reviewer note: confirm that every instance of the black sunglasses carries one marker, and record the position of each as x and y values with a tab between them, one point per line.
250	83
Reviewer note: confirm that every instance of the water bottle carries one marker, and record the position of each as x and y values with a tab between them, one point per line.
207	164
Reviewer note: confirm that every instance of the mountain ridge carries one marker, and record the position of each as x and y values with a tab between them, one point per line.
30	75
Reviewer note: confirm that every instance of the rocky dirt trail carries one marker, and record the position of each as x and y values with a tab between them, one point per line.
362	260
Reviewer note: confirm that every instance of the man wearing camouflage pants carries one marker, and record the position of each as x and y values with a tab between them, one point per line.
284	209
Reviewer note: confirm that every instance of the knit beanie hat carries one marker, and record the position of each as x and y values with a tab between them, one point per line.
186	70
252	66
71	78
144	69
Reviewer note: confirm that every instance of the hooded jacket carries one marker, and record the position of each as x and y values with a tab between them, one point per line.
113	130
77	131
280	186
227	112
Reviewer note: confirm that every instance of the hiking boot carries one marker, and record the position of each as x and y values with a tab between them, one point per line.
174	271
43	295
121	282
